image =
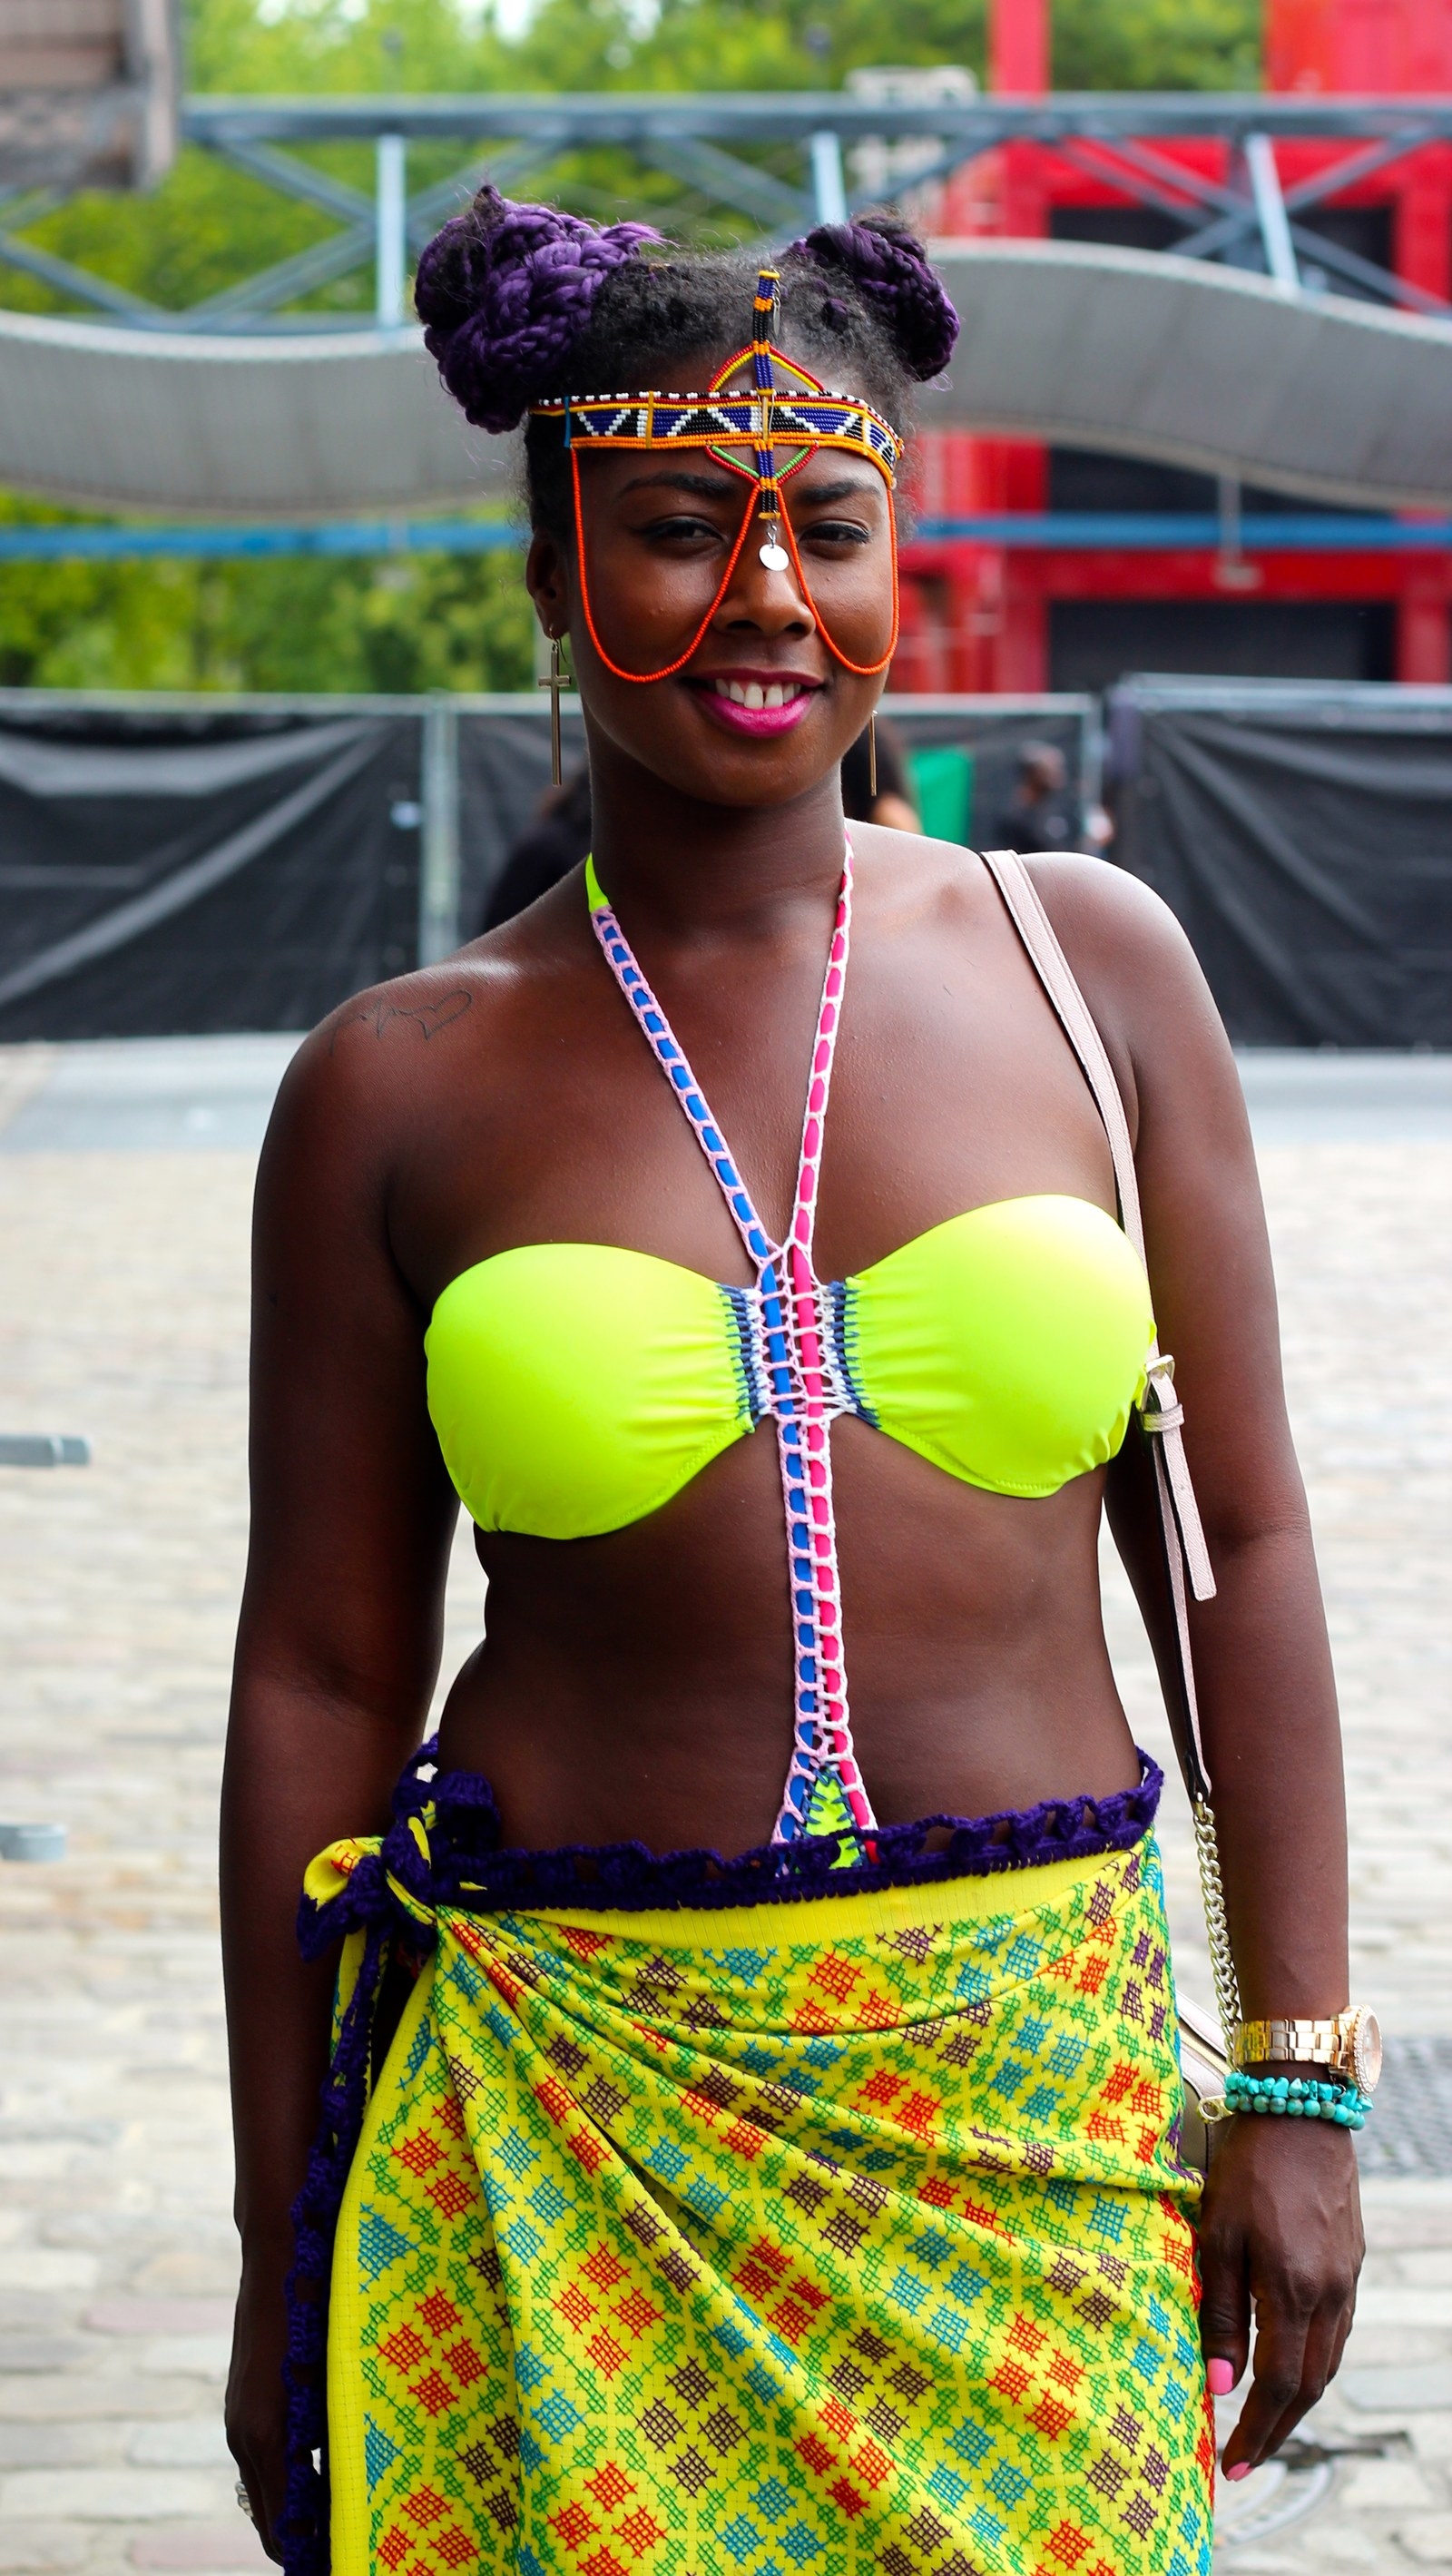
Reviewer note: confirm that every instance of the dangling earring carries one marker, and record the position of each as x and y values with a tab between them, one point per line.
872	757
555	683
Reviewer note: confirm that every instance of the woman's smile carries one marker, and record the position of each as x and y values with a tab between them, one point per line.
755	702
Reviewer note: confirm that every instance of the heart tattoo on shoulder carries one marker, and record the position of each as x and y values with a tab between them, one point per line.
428	1017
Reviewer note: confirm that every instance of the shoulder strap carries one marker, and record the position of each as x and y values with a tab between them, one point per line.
1161	1412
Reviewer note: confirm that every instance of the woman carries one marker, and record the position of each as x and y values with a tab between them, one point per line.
730	2194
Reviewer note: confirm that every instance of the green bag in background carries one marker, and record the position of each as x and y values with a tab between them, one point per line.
942	779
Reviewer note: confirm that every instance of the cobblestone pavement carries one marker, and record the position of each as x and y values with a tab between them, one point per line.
122	1315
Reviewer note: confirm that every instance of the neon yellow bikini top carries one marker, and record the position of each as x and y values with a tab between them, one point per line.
576	1387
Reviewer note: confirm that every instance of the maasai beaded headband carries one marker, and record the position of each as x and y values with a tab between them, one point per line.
766	416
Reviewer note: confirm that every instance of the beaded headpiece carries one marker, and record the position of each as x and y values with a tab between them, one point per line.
725	420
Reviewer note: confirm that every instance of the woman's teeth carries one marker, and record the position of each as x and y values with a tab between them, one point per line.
750	693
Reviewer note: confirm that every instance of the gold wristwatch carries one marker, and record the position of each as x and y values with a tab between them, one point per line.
1347	2043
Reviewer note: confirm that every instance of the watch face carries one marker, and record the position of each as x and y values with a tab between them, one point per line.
1366	2049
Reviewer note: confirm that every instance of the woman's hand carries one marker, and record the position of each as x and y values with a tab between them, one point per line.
256	2410
1280	2236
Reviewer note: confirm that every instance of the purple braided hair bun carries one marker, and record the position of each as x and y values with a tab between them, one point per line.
895	279
504	292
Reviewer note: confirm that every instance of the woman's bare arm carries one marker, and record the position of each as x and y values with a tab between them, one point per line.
340	1631
1280	2229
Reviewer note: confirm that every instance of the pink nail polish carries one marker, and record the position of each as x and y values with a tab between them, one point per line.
1220	2377
1240	2470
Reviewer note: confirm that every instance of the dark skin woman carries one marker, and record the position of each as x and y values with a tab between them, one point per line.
504	1098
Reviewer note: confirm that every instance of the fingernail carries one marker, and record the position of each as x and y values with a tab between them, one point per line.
1220	2377
1240	2470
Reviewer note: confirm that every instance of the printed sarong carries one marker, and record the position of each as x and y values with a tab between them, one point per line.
804	2239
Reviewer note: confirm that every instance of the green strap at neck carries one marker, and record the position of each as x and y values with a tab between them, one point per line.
599	899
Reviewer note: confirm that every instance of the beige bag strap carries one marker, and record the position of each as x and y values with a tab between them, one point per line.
1160	1412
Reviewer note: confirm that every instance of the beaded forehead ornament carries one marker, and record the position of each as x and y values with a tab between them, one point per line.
761	417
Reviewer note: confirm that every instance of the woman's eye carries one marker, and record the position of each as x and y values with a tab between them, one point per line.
836	532
680	531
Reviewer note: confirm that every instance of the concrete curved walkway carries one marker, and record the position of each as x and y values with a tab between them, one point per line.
1136	353
1183	363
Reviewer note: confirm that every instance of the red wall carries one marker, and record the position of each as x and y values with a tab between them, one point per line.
978	617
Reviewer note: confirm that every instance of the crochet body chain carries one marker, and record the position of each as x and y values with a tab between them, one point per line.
795	1368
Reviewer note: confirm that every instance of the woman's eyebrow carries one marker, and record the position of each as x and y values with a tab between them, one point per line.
702	487
851	487
716	487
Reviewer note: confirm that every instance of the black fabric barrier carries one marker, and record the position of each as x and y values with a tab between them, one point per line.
1303	836
183	870
504	766
504	771
178	867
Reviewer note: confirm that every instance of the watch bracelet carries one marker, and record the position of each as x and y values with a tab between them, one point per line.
1283	2040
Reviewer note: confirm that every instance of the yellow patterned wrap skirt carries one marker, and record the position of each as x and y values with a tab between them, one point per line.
800	2239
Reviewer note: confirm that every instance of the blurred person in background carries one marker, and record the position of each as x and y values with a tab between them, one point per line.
893	804
556	841
1039	814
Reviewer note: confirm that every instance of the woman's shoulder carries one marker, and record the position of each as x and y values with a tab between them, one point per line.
1095	903
1108	923
1130	956
394	1059
1146	992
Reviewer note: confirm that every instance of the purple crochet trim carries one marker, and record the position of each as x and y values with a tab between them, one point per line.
468	1873
895	278
473	1875
505	291
368	1903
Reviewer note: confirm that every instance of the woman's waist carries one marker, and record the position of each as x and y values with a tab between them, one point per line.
583	1752
450	1851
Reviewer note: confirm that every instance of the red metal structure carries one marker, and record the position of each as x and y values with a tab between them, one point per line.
981	616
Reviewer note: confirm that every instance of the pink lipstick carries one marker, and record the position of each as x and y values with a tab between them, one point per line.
756	703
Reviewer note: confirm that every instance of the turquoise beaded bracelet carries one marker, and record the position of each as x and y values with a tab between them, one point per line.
1297	2097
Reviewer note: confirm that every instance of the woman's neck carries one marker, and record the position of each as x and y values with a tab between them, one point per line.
693	870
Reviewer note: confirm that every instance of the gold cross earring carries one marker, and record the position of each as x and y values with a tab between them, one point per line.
555	683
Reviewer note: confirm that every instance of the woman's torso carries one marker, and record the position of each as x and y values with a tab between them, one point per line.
638	1683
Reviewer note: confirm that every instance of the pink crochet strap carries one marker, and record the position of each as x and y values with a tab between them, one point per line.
801	1389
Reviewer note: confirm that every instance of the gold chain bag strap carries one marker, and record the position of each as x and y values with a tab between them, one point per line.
1204	2051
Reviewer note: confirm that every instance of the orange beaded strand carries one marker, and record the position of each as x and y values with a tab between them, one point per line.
646	679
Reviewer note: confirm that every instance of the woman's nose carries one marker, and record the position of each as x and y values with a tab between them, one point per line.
765	596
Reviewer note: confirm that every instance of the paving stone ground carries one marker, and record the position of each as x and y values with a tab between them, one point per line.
122	1315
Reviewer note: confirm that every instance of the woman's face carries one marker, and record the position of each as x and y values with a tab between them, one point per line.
763	710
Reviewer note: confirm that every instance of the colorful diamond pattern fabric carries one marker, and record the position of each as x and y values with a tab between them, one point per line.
795	2240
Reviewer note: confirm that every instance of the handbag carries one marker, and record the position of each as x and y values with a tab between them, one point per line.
1204	2051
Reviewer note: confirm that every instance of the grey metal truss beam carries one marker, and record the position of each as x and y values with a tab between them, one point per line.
733	183
324	262
294	178
1242	219
1322	253
971	126
687	134
300	274
1140	172
69	280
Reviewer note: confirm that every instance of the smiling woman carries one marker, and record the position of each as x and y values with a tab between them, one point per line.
752	2119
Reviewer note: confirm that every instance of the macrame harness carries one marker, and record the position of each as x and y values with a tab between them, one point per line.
786	1318
800	413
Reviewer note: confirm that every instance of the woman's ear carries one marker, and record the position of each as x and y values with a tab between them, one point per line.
546	579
